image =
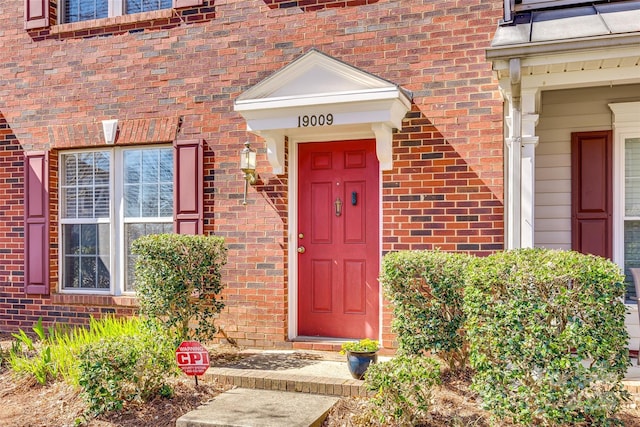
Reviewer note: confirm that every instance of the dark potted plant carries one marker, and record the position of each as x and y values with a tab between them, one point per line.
360	354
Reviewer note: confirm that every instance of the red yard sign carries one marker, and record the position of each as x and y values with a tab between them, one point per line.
192	358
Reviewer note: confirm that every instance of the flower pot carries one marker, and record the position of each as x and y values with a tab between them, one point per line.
359	361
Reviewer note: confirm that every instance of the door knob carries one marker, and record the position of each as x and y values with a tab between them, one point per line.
301	249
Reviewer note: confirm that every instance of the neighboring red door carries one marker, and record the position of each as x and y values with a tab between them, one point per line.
592	193
338	255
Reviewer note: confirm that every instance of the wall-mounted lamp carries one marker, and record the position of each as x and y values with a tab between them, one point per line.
110	128
248	166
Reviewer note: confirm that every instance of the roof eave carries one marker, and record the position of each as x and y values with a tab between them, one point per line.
506	52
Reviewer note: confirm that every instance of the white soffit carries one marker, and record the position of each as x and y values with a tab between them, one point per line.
583	45
318	97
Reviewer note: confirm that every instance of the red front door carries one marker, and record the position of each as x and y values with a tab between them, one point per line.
338	255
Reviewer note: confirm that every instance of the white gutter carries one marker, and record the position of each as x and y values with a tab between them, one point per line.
507	52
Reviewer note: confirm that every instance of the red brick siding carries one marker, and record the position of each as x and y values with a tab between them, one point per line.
434	198
445	189
311	5
12	297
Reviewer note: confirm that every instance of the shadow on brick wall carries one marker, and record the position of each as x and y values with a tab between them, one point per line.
443	192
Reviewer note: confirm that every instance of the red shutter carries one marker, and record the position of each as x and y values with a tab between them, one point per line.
36	222
177	4
36	14
592	193
188	187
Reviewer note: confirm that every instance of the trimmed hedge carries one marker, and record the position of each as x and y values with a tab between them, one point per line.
178	282
547	336
425	289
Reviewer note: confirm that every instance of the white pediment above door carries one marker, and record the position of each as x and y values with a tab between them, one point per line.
318	97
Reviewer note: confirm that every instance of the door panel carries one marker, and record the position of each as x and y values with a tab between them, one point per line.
322	225
355	296
338	221
592	193
321	297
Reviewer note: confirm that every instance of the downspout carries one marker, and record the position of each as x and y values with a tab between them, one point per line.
508	17
514	240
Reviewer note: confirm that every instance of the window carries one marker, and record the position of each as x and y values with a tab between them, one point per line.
631	208
108	199
84	10
627	190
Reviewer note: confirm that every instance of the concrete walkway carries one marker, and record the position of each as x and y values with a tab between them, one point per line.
243	407
289	388
275	389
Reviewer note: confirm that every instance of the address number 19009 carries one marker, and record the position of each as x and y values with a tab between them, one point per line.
315	120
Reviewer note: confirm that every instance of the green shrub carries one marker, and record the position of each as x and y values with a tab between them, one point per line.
54	354
403	388
114	360
547	336
116	370
425	290
178	282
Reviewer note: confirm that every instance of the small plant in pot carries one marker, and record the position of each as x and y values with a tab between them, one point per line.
360	354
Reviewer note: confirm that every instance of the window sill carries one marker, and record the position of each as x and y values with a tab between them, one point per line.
122	20
93	299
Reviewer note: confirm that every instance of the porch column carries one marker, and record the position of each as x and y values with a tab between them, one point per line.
520	143
529	142
513	148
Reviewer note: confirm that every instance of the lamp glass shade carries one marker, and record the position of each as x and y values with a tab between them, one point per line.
248	159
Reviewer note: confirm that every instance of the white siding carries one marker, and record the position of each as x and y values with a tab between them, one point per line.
563	112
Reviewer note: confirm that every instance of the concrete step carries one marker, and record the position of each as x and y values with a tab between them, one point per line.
243	407
318	345
290	371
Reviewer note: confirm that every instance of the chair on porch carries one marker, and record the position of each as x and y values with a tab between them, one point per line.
635	272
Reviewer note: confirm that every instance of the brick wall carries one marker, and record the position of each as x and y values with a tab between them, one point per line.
12	297
445	189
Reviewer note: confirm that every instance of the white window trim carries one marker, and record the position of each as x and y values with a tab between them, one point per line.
116	220
626	124
62	222
115	8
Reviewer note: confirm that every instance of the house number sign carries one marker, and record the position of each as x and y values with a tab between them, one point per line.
315	120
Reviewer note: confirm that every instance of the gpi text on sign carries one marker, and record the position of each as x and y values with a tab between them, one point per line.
192	358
